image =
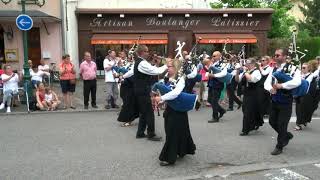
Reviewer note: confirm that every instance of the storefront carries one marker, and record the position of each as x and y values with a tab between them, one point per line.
161	29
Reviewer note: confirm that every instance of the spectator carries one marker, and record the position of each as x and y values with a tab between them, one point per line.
10	87
45	68
37	76
88	72
40	97
111	83
51	99
67	81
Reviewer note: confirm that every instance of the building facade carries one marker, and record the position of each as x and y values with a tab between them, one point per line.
45	38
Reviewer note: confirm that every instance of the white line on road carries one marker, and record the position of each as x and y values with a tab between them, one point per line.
317	165
286	174
292	119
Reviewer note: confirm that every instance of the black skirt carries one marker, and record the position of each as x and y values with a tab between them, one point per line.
178	137
251	112
129	111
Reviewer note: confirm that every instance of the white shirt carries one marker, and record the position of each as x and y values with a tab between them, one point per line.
146	68
175	92
43	67
255	76
48	97
265	71
130	71
295	82
221	74
37	76
194	72
109	74
12	84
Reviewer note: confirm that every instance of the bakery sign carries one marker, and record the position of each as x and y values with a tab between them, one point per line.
176	22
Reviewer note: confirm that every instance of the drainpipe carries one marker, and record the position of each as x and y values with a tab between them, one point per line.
63	35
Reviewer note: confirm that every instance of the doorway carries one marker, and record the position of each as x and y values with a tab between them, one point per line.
34	46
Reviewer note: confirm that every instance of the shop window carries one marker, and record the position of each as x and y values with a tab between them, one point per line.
34	46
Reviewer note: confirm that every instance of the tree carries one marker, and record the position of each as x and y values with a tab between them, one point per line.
281	21
311	11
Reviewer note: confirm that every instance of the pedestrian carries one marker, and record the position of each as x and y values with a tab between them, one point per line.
111	81
88	73
282	99
67	81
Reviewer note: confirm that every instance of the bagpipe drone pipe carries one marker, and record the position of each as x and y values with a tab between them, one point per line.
296	92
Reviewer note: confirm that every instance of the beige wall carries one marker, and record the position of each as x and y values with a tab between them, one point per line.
50	43
51	7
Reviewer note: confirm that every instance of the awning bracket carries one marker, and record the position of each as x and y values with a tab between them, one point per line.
45	26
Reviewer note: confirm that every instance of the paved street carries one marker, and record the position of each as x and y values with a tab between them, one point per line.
92	145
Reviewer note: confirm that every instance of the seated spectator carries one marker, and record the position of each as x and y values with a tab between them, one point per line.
41	98
51	99
10	87
37	75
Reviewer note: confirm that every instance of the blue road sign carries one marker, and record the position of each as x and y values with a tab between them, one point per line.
24	22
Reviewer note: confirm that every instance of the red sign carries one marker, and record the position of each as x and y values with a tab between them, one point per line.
143	41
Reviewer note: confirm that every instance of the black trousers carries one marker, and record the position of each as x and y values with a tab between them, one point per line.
190	83
231	93
279	119
146	115
213	98
89	86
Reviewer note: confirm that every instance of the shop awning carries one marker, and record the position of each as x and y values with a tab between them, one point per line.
230	38
37	16
129	38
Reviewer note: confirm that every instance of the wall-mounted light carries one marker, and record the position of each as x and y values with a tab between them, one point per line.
121	15
250	15
225	15
99	15
160	15
187	15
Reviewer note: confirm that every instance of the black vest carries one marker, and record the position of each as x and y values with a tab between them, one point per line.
249	87
263	78
214	82
142	82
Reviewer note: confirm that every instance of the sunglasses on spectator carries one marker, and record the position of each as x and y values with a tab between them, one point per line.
277	55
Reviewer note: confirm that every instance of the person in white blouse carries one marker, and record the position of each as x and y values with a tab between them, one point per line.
281	105
179	141
10	87
37	76
249	81
143	72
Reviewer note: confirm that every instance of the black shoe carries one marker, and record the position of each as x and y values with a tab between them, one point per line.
256	128
86	107
230	109
141	136
239	106
213	120
107	106
290	136
221	114
198	105
243	134
164	163
276	151
94	106
116	107
155	138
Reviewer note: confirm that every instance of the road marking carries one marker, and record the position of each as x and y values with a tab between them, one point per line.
317	165
286	174
292	119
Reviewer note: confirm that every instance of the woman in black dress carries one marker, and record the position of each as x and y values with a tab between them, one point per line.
249	80
128	112
178	137
307	104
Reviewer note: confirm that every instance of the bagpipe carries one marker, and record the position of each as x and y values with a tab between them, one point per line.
183	103
190	64
293	51
296	92
225	79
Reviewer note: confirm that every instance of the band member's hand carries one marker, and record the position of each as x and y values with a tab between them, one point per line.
277	86
157	99
211	75
273	91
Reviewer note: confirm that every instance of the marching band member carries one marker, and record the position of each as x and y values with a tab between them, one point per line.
264	96
178	137
307	104
250	108
191	75
232	86
281	105
215	88
143	72
128	110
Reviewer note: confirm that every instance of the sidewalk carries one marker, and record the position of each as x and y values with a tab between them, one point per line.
78	100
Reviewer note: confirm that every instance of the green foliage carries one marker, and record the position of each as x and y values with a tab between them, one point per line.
311	11
281	22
